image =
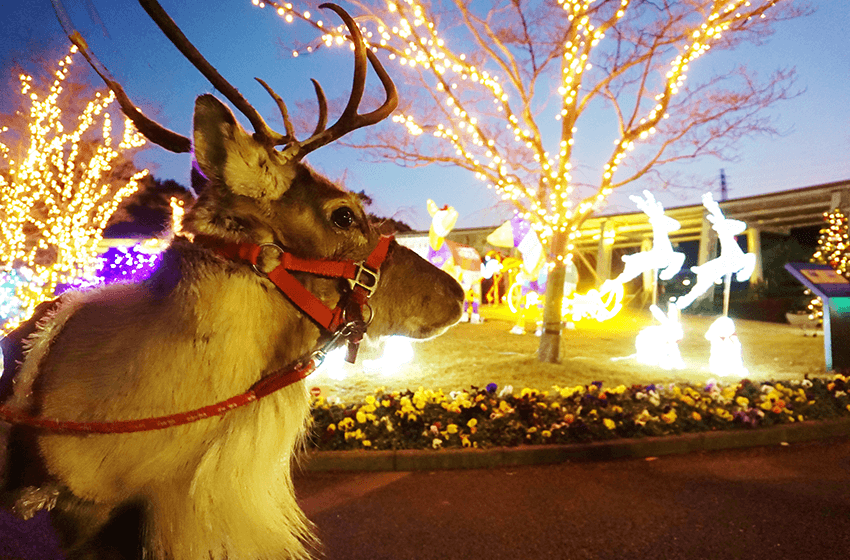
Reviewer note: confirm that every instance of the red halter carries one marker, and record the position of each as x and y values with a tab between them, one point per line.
362	278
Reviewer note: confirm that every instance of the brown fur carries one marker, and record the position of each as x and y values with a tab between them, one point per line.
199	331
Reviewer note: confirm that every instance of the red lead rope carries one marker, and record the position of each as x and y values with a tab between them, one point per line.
362	276
266	386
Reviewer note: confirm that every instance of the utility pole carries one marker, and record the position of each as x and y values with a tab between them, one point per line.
724	191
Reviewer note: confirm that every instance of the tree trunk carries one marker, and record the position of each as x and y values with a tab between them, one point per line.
550	341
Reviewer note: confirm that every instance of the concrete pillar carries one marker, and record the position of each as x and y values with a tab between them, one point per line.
650	285
840	200
707	242
707	252
604	252
754	246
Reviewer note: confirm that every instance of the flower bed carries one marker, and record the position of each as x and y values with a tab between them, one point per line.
490	417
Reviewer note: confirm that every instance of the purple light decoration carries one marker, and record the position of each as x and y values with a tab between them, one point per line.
119	264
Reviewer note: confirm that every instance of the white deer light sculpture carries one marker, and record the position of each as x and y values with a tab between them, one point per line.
732	259
661	257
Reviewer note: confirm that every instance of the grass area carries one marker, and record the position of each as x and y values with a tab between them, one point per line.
487	353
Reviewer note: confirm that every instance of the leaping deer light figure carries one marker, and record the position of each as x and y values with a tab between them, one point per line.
732	259
661	257
281	266
461	261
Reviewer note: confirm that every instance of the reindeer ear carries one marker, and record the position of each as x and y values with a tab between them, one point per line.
228	155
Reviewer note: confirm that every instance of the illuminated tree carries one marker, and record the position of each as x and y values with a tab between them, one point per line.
501	88
834	250
60	181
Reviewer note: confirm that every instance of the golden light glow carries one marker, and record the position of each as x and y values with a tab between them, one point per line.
56	195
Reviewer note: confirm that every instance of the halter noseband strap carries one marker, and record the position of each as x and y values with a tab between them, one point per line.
346	319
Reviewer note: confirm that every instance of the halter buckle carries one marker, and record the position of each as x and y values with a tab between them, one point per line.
366	278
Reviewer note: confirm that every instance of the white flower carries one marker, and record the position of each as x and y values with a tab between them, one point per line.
506	390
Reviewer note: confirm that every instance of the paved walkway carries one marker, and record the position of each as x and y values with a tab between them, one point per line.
780	502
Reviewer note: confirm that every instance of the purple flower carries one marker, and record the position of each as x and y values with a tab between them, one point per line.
491	387
598	384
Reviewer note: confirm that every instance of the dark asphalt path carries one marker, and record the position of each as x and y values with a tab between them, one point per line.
784	502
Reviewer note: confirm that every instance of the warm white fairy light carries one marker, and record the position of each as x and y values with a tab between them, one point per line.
55	199
544	196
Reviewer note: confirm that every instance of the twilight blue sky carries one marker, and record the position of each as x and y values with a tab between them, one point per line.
243	41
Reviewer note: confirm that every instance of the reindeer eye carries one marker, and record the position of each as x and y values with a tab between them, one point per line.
343	217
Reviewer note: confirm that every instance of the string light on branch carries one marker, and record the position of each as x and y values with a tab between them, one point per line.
487	117
59	195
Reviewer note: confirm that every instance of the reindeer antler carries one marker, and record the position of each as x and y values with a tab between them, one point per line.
349	120
715	213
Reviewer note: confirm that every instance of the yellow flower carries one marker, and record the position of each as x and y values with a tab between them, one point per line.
331	427
385	403
346	424
361	417
609	423
474	422
451	428
370	399
366	443
532	429
696	416
742	401
669	417
546	433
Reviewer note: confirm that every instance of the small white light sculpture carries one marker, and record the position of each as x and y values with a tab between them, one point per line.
725	358
398	350
658	345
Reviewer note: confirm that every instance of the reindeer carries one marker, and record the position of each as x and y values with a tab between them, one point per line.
461	261
661	257
732	259
260	289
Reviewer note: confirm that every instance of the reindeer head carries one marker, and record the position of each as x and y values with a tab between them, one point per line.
257	193
655	212
724	226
